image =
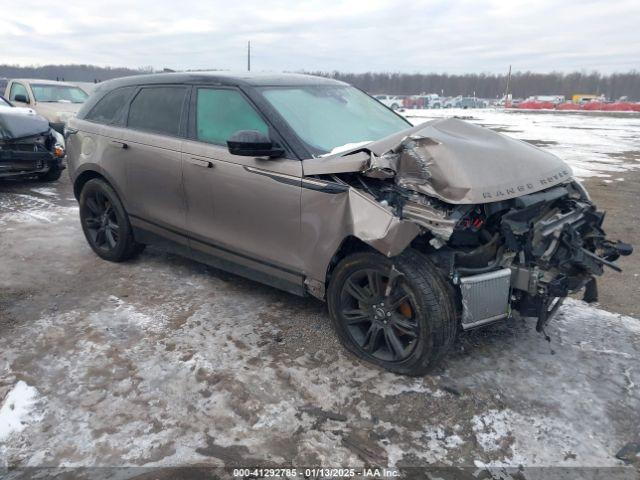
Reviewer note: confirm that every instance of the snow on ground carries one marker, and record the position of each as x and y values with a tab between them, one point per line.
25	208
17	409
163	362
593	145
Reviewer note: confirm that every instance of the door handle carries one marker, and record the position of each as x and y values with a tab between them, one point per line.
116	143
200	162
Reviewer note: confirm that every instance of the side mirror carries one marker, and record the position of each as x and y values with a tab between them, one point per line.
251	143
20	98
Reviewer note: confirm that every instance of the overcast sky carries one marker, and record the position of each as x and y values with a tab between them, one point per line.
353	36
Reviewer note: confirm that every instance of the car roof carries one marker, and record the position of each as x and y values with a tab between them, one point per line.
43	81
221	78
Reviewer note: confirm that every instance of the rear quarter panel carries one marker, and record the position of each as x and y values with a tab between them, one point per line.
90	149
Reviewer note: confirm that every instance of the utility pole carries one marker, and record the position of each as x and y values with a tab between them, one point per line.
507	103
249	56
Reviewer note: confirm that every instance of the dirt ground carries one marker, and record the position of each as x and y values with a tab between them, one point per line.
620	292
162	361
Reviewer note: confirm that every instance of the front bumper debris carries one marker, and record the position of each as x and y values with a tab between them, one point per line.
542	246
14	163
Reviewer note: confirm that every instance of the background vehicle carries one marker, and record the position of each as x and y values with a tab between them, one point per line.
465	102
394	102
55	101
28	145
256	181
415	102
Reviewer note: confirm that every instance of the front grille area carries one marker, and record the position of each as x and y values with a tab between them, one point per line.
485	297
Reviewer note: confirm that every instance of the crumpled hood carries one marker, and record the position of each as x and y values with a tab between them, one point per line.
455	161
15	124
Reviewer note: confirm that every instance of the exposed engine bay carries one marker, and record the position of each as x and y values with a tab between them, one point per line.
28	145
523	242
552	241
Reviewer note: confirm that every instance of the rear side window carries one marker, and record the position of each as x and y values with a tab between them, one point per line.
110	108
221	113
158	109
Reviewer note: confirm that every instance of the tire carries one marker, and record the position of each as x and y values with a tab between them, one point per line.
52	175
424	323
105	222
395	106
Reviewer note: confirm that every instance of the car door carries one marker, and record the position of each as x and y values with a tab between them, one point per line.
97	140
17	89
244	210
152	149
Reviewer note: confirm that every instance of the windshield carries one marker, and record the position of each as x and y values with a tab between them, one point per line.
4	102
58	93
329	117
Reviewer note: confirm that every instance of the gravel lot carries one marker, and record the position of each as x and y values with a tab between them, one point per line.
162	362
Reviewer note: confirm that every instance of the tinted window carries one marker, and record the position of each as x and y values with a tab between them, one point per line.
17	89
110	107
157	109
221	113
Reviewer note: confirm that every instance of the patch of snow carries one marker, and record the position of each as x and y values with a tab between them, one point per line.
17	409
29	209
490	429
46	191
125	313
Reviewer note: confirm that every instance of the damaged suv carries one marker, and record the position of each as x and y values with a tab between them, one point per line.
410	233
29	147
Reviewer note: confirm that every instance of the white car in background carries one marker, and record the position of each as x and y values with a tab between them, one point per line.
394	102
55	101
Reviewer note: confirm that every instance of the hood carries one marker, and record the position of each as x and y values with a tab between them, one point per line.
57	111
16	125
22	110
453	160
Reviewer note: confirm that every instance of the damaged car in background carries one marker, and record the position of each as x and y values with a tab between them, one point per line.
29	147
409	233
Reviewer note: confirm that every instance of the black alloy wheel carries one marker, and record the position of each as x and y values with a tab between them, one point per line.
396	313
105	222
101	221
378	309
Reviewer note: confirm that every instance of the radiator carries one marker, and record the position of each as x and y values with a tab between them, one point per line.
485	297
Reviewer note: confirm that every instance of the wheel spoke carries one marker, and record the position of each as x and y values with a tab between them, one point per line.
404	325
100	237
92	205
371	338
110	239
394	275
399	300
357	292
355	316
92	222
393	343
375	283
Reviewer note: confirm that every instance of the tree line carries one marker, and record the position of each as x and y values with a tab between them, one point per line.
522	85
